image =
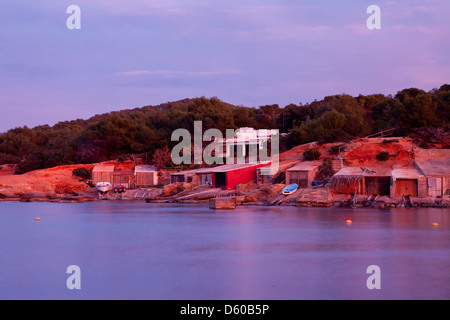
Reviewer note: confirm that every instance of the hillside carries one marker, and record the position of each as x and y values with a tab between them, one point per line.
44	184
141	132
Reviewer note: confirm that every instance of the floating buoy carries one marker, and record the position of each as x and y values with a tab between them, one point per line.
349	221
37	219
435	224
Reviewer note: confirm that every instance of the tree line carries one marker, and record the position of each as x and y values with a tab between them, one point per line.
147	130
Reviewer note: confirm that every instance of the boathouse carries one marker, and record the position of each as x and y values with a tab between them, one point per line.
123	175
230	175
437	175
146	176
201	176
362	180
303	174
266	174
273	174
178	177
102	173
124	178
408	182
434	164
224	176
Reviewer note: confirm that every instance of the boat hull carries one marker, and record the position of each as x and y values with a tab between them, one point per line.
104	186
290	189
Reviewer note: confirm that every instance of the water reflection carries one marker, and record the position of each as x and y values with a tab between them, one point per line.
163	251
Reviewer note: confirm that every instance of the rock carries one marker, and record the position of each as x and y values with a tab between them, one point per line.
172	189
222	203
250	198
240	199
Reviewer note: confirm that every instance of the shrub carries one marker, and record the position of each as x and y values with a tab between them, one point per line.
335	149
311	154
383	156
82	173
325	170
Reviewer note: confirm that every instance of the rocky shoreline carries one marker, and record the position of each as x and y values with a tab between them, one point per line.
59	184
255	195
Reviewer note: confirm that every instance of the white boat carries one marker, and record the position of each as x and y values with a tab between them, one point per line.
104	186
290	189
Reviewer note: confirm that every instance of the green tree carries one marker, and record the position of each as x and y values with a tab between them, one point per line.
419	109
162	157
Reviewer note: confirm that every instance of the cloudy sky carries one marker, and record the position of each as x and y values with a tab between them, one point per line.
134	53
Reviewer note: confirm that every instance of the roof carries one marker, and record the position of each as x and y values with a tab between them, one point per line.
195	171
305	166
145	168
123	173
358	172
268	170
103	168
426	154
406	173
236	166
434	167
221	168
433	162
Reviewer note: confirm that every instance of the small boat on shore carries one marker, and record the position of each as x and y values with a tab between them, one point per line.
104	187
290	189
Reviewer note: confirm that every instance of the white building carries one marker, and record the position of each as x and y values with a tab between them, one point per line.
245	141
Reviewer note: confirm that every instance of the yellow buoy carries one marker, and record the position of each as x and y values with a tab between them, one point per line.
37	219
435	224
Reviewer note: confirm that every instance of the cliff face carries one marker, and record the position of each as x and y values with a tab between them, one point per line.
365	151
42	183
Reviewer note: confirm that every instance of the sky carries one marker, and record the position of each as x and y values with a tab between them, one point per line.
134	53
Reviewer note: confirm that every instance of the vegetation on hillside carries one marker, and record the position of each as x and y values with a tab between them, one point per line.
143	131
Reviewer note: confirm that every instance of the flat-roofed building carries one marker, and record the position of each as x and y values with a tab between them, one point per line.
437	173
102	173
146	176
362	180
408	182
303	174
230	175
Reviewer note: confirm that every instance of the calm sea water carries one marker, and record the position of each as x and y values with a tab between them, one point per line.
164	251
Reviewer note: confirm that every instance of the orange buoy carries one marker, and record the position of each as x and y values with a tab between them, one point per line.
435	224
349	221
37	219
